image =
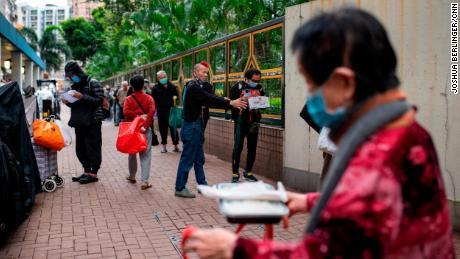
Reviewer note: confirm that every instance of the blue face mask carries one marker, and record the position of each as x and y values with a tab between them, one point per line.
163	81
75	79
316	107
253	84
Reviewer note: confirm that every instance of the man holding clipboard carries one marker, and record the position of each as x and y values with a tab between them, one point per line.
246	123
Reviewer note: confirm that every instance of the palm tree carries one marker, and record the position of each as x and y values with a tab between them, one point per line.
52	48
30	36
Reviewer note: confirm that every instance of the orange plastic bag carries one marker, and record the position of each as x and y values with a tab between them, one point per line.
48	135
130	139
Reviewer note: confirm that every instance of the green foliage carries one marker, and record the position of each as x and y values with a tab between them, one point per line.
136	32
30	36
50	46
82	37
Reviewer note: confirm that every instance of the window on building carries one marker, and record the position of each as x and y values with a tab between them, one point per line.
88	11
33	12
61	17
49	23
33	18
60	11
49	11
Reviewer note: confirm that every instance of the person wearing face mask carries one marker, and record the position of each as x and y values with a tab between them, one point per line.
194	98
383	196
86	119
164	93
247	126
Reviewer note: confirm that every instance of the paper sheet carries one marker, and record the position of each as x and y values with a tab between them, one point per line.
69	98
259	102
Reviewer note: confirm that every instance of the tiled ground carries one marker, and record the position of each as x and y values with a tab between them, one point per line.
115	219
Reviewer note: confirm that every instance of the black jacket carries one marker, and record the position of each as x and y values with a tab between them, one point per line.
247	115
163	96
82	112
210	89
196	97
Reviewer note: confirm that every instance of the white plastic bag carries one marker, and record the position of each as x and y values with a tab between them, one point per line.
325	144
66	134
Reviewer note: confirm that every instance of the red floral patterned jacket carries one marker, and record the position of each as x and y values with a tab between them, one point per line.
390	203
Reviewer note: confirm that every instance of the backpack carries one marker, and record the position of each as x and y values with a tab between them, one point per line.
102	112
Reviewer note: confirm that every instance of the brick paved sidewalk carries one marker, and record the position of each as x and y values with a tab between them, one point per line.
115	219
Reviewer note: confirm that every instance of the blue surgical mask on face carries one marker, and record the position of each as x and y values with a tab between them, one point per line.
253	84
75	79
316	107
163	81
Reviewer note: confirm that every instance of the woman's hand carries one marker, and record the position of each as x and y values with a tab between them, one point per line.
297	203
212	243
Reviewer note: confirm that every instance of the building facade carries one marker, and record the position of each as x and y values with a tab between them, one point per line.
83	8
8	9
39	18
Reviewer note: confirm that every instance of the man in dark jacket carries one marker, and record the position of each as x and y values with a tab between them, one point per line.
86	117
164	93
194	98
246	124
207	86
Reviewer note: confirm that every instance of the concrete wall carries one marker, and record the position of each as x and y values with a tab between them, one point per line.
420	32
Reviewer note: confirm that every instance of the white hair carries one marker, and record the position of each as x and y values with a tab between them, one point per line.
161	72
124	83
198	67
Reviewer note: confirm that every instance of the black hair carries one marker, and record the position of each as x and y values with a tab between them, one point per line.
249	73
137	82
352	38
72	68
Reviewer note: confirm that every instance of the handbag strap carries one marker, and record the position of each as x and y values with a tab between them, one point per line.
352	140
143	110
138	103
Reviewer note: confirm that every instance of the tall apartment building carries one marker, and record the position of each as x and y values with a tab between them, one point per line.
8	9
38	18
83	8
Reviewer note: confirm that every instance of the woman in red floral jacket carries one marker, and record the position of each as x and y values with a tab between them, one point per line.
390	201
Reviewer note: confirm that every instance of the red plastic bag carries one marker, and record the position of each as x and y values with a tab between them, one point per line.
130	138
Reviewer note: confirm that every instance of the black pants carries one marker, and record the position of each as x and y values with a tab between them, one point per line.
88	147
163	124
251	140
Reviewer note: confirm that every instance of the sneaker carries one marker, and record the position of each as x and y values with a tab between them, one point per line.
88	179
164	150
131	179
235	178
185	193
145	186
176	149
249	176
77	178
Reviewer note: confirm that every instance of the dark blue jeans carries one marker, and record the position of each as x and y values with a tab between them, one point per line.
192	135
